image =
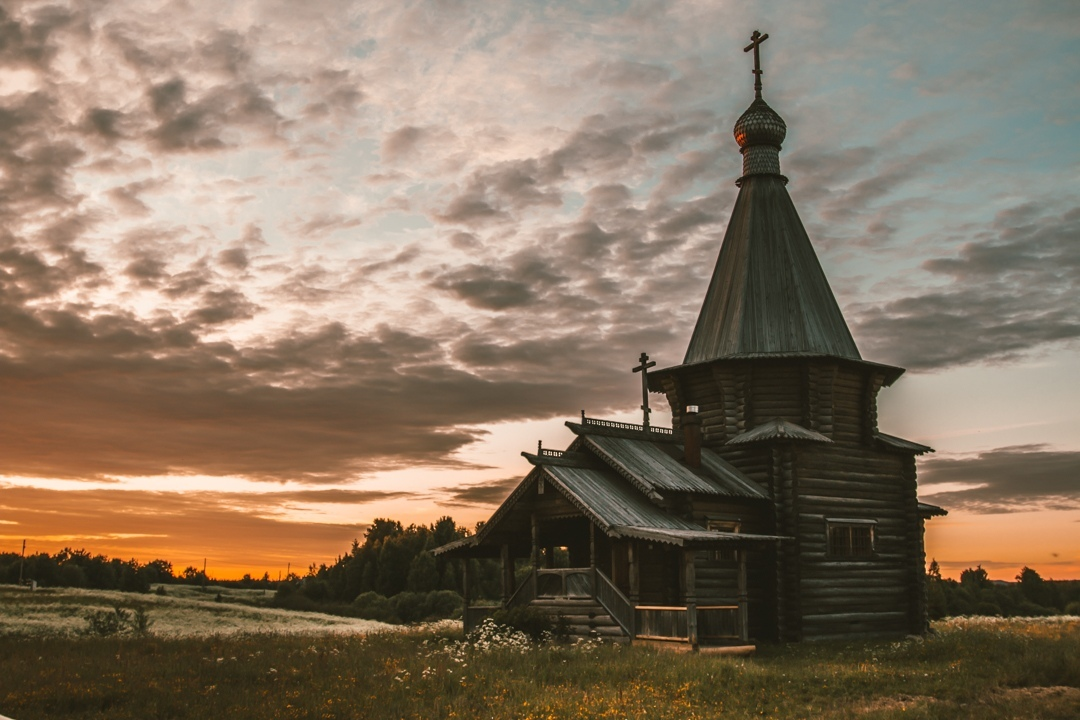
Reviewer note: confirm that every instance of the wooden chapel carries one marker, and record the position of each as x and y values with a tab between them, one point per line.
773	508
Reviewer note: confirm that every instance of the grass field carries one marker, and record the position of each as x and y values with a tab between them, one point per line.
970	668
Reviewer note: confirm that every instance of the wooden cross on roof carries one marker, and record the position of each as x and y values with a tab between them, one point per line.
755	42
643	368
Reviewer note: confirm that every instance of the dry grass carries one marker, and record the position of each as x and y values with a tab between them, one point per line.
973	668
184	612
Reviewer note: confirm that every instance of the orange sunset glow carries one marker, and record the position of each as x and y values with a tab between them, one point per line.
271	271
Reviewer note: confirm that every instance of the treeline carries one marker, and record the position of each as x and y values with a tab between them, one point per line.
976	594
80	569
393	576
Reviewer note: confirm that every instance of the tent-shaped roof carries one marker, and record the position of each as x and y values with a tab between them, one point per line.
768	294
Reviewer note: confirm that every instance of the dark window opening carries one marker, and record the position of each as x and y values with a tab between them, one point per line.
723	554
851	540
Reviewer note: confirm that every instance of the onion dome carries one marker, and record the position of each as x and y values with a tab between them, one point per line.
760	131
760	125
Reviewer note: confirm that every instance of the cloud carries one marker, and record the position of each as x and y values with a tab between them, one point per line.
488	493
402	143
1006	295
323	224
1008	479
518	282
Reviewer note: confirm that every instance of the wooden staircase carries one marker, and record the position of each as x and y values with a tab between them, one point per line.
584	617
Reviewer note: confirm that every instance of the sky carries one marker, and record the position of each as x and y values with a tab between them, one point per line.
270	270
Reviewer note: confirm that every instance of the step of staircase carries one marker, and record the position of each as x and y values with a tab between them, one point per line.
584	617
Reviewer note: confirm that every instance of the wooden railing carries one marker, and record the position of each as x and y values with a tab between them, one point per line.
564	582
525	593
617	605
693	624
719	623
614	424
662	622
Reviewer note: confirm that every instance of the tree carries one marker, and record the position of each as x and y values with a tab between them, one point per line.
975	578
423	574
380	529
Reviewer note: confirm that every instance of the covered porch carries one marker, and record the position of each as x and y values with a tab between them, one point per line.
645	580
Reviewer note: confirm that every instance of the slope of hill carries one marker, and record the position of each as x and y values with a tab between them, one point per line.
185	611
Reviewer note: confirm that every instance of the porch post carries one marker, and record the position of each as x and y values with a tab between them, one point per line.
632	562
507	574
744	630
466	581
535	555
690	582
592	546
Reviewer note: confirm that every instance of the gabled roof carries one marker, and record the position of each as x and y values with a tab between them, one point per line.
778	429
651	464
768	293
613	473
610	501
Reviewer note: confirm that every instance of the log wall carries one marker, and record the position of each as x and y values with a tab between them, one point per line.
809	592
854	596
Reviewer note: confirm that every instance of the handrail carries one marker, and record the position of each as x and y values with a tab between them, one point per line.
611	599
525	593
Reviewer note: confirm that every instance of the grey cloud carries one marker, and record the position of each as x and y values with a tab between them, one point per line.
484	287
1008	479
222	306
469	208
105	123
625	74
1005	297
489	493
598	146
495	191
588	241
401	143
190	281
199	125
338	94
146	270
235	258
402	257
307	284
324	224
465	241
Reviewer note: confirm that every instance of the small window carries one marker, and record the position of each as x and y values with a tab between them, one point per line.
853	539
724	554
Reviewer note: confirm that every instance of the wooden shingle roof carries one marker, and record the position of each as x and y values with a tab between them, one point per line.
768	294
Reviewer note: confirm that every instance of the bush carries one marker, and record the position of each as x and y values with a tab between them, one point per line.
1073	608
408	606
106	623
373	606
443	604
530	620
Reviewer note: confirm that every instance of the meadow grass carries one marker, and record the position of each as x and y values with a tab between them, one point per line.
185	611
977	668
1028	669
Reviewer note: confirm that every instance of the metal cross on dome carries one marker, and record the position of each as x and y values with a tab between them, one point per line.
643	368
755	42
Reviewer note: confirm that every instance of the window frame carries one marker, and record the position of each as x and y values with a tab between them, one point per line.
852	551
724	525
